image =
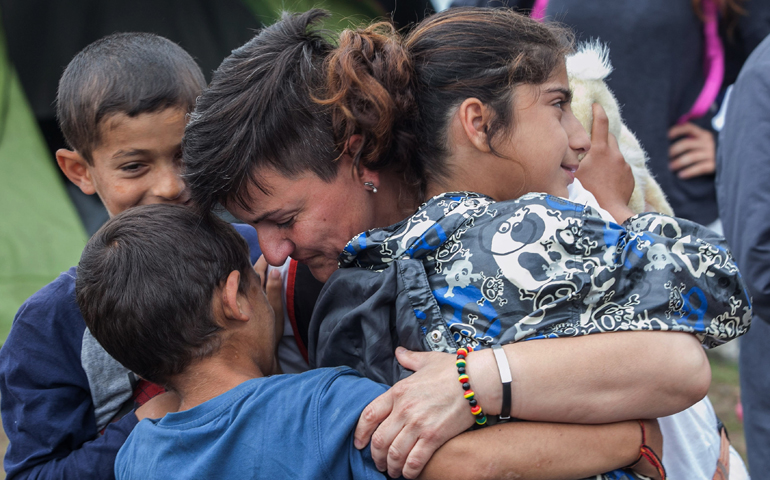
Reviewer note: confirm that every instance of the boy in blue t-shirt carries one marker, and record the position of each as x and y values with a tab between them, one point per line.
172	296
66	404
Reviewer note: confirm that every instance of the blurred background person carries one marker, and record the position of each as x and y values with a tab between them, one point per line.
743	172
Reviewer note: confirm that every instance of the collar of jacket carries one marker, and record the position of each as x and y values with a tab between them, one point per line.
418	236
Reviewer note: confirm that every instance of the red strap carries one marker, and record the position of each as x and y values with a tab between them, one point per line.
290	283
145	390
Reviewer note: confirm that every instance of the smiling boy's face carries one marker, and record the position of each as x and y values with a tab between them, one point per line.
138	161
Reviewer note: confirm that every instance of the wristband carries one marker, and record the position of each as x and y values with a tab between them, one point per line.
505	377
469	395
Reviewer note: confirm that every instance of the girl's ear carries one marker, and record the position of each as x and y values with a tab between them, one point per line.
474	117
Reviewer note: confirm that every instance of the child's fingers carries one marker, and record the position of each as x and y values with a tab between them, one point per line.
600	127
261	268
274	292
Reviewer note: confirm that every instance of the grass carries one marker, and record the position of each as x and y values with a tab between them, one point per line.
724	393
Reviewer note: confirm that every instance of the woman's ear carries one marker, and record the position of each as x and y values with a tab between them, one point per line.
370	179
474	117
75	167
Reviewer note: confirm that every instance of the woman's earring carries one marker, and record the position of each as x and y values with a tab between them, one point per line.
371	185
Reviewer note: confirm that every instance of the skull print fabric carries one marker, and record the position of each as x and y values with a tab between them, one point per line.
541	266
467	271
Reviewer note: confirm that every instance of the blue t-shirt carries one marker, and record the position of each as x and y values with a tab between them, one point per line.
284	426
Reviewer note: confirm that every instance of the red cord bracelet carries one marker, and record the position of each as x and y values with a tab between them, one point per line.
647	453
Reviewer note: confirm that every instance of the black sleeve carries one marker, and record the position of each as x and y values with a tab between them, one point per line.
363	315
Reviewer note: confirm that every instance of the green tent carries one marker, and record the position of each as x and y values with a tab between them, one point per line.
40	232
345	13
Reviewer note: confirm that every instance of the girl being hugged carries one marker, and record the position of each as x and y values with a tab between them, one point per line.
496	254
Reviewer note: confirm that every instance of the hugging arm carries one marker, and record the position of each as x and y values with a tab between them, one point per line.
592	379
543	451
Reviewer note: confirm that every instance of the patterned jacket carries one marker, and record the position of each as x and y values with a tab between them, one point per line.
466	270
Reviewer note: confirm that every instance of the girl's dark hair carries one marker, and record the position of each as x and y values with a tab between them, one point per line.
145	284
374	78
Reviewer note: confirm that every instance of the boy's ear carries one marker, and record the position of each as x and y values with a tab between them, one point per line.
233	304
474	117
76	169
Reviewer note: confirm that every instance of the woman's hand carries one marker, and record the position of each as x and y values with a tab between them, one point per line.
693	153
604	172
416	416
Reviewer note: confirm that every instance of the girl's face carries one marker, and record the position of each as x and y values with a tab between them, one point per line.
546	142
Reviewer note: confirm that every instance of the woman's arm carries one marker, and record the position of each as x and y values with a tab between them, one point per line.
599	378
596	378
542	451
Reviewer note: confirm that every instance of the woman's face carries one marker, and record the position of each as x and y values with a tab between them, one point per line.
307	218
547	140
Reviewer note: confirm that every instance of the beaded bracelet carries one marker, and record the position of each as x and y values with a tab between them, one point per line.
481	419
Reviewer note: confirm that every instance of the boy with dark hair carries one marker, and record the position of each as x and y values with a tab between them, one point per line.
66	404
172	296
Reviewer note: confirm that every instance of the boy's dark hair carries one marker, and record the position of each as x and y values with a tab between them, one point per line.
259	112
145	284
130	73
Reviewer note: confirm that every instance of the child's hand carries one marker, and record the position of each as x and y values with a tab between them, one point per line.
272	283
693	153
159	406
604	172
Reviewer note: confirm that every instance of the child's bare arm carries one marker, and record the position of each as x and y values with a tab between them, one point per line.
544	451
